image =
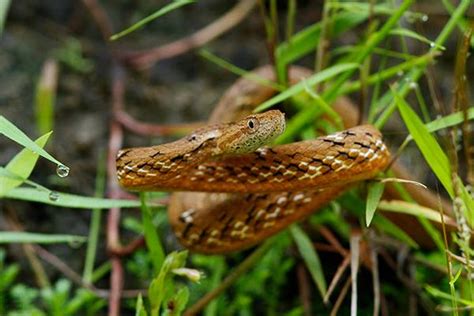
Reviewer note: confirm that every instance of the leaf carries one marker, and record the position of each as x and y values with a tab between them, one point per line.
166	9
4	5
413	209
429	147
409	33
310	257
139	308
375	191
14	133
24	237
67	200
21	165
311	81
152	239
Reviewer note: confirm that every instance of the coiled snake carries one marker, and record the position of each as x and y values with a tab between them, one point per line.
261	190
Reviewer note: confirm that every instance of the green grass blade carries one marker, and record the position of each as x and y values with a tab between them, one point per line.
21	165
14	133
429	147
414	35
23	237
311	81
4	5
67	200
166	9
45	96
152	239
310	257
374	194
410	208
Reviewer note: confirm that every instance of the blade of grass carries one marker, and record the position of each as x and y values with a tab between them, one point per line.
4	5
299	87
14	133
94	228
34	238
166	9
310	257
408	33
417	72
45	96
374	194
152	239
21	165
429	147
67	200
413	209
305	116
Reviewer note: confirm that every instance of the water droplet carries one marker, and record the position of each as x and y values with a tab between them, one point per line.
53	196
424	18
62	171
432	44
400	73
413	85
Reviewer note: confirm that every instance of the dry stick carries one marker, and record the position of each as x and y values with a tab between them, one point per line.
147	129
376	279
146	59
337	276
304	288
113	220
229	280
76	278
341	297
100	17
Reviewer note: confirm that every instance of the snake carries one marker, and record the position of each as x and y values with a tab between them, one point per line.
231	190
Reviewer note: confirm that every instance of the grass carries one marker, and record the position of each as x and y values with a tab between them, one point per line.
262	280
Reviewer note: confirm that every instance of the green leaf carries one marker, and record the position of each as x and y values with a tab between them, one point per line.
67	200
375	191
311	81
310	257
166	9
21	165
152	239
139	308
412	209
24	237
4	5
429	147
14	133
409	33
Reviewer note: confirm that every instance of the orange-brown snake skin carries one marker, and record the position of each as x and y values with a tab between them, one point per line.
256	190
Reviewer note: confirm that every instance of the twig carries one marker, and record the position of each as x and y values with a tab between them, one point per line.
76	278
113	220
147	129
146	59
100	18
304	288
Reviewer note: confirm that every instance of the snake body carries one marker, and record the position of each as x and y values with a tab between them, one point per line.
261	190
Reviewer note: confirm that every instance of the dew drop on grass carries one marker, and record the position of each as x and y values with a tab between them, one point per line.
62	171
413	85
424	18
53	196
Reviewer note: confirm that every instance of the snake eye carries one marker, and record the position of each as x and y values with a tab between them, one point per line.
192	137
252	125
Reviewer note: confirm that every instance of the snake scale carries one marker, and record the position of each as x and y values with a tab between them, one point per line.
244	190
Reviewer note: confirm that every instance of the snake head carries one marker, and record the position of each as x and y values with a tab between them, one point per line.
251	133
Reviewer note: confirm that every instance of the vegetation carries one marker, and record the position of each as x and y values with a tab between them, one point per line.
310	267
